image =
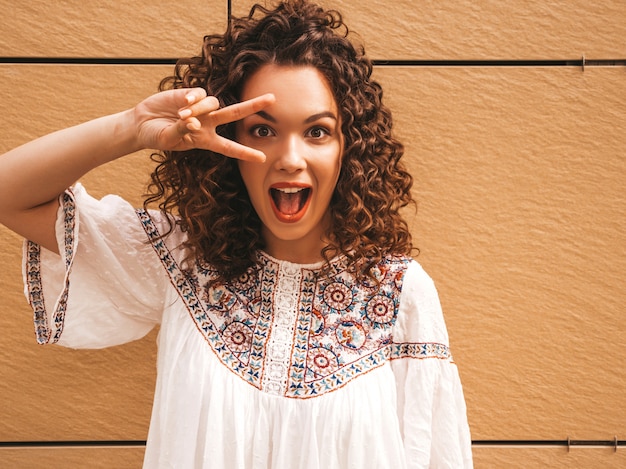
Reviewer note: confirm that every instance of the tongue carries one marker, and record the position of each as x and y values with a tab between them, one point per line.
289	204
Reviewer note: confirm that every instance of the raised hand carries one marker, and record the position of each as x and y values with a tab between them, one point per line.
183	119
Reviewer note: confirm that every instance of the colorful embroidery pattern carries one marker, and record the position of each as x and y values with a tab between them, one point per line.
427	350
290	331
43	331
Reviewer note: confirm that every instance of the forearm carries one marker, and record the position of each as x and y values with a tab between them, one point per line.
37	172
33	175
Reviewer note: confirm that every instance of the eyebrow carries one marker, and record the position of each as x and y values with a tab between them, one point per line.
308	120
320	115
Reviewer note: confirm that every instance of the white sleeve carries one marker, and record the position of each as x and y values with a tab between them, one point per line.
107	286
431	406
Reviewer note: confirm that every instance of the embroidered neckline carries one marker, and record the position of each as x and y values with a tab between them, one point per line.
287	330
309	266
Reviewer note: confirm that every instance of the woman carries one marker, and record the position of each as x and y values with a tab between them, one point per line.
295	330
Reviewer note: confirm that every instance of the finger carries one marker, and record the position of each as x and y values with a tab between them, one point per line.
182	98
193	95
203	106
236	150
238	111
192	124
170	136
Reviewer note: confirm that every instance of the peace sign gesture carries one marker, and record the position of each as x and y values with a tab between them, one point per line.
187	118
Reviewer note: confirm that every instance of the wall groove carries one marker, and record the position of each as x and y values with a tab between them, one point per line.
582	62
569	443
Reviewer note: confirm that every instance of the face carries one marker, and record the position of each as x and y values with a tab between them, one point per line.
300	134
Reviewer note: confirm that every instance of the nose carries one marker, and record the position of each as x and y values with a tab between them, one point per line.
291	157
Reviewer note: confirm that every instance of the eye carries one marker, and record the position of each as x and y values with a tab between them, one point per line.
261	131
318	132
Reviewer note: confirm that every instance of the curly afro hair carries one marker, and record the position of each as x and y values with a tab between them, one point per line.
205	189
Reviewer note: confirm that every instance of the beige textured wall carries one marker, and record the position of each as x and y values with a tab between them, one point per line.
520	180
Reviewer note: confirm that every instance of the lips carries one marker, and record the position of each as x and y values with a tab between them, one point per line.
290	201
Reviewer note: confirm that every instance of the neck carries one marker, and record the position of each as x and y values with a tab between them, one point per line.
298	251
295	252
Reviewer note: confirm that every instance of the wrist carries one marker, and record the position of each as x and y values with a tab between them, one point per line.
126	132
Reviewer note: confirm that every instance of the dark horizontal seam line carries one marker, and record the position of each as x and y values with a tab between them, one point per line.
128	443
88	60
74	443
502	63
376	62
566	443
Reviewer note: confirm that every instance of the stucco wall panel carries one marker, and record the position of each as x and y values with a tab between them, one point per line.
54	393
72	458
548	457
519	178
107	28
44	98
485	30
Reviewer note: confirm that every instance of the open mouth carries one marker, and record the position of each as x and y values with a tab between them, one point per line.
290	203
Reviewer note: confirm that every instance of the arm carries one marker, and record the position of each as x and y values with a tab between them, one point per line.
33	175
431	405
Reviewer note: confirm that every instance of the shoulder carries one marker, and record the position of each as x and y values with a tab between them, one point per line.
420	317
115	218
109	217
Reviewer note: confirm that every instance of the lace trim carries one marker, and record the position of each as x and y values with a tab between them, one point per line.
280	343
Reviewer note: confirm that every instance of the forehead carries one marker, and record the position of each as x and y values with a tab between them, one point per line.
297	85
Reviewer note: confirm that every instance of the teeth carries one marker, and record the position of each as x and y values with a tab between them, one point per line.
290	190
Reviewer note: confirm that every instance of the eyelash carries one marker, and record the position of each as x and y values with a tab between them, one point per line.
324	130
254	131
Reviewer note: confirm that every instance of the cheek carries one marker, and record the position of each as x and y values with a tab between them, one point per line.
337	170
338	164
329	175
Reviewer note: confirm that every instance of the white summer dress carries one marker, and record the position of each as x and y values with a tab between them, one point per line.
283	369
